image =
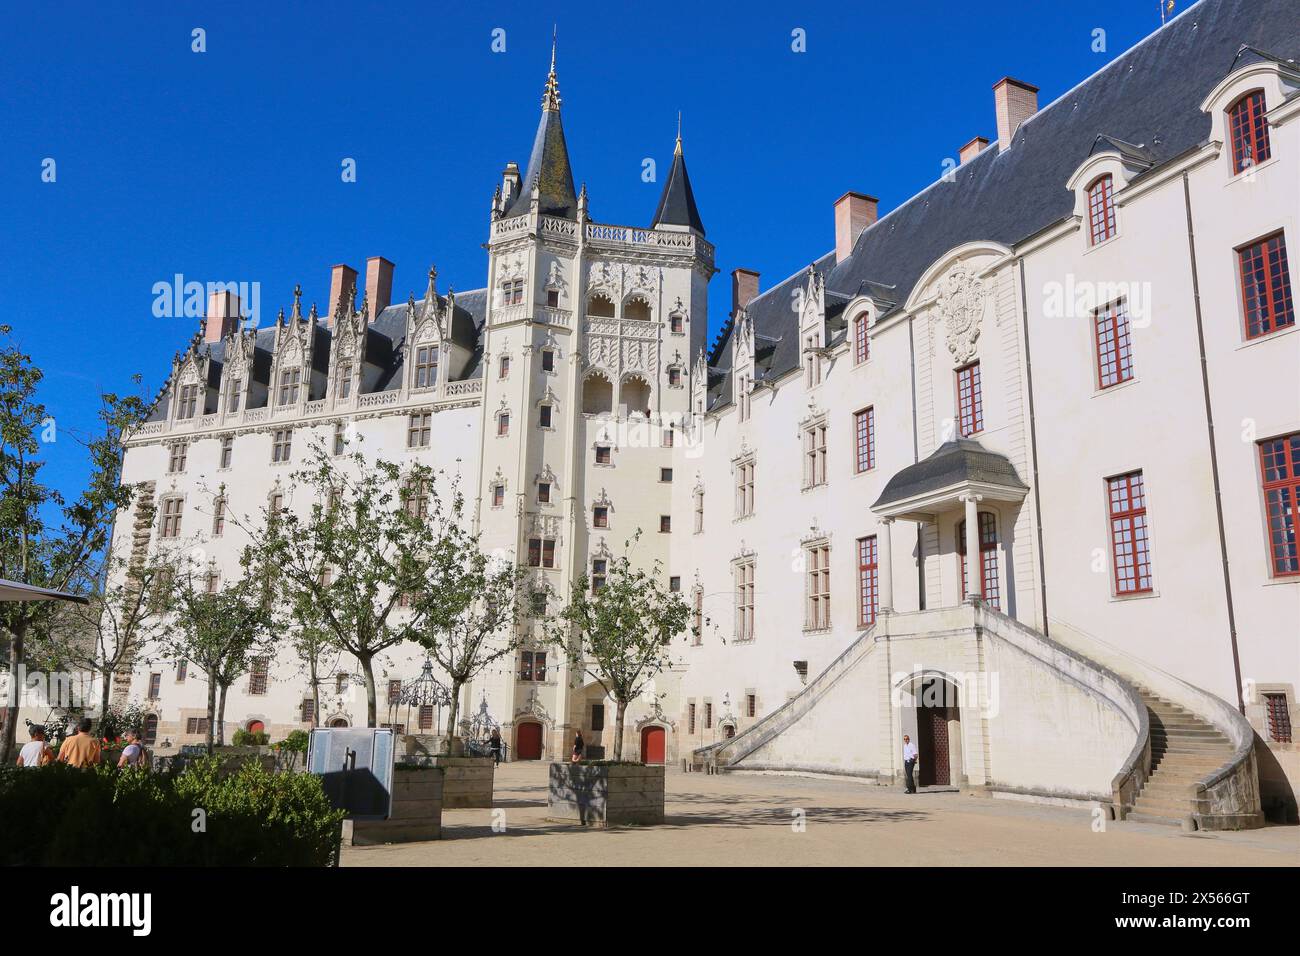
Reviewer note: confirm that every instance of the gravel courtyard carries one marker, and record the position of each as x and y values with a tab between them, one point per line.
752	819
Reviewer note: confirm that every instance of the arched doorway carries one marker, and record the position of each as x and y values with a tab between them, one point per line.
652	744
938	731
989	588
528	741
255	727
339	722
728	730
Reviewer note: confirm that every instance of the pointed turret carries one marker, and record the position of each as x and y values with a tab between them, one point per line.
677	204
549	172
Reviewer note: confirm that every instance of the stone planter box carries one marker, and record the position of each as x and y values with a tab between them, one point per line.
468	781
606	795
416	814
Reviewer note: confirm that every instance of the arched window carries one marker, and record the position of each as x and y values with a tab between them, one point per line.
1248	131
1101	209
634	395
597	395
988	558
600	306
637	309
861	340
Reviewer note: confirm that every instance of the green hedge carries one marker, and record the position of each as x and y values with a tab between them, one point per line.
61	816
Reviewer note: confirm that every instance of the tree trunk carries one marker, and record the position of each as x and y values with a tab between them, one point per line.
212	710
453	715
15	696
369	674
221	715
105	692
620	712
315	694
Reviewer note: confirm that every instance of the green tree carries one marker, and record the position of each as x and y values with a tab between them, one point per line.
467	614
358	554
45	540
220	632
619	634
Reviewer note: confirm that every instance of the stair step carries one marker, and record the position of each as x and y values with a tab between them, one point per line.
1138	816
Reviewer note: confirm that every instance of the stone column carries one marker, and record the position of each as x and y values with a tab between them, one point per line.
885	560
973	590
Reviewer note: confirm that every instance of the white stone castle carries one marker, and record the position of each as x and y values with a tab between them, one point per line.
1066	371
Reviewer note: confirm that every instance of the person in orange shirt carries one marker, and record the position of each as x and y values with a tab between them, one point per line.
81	749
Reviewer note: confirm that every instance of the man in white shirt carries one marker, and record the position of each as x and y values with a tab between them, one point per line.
38	752
909	762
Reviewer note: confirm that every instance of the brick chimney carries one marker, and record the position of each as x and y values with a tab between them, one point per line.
342	278
222	317
744	289
1015	102
853	213
379	286
973	148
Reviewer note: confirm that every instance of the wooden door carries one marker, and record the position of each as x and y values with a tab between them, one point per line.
528	741
652	745
932	728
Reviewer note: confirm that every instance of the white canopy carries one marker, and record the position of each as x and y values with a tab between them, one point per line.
13	591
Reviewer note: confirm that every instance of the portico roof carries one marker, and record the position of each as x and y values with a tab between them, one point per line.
957	468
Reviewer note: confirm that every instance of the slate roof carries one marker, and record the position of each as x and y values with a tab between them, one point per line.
1148	99
548	167
677	202
952	462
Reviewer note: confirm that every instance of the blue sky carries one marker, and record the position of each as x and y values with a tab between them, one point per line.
225	165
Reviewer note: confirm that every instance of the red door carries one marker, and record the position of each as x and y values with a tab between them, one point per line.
652	745
528	741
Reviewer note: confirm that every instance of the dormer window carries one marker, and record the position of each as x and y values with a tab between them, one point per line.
233	395
344	389
1248	132
742	397
188	403
861	341
426	366
813	360
1101	209
290	380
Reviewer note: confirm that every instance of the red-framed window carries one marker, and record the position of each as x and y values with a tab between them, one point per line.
1248	131
861	340
1279	460
1101	209
864	437
1130	539
1279	718
970	405
1114	347
1266	300
541	552
990	588
868	581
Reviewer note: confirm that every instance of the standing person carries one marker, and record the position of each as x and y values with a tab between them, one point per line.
81	749
578	746
38	752
909	762
494	744
134	754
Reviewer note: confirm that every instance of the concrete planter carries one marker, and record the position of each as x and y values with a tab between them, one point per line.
468	780
606	795
416	815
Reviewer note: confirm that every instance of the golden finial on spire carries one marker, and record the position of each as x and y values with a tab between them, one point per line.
677	150
551	95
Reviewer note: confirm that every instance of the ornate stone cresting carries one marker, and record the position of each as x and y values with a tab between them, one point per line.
961	303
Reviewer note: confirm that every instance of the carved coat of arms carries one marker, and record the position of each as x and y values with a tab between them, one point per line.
961	303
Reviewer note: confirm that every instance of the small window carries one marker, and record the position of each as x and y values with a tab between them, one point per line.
418	430
176	457
548	360
498	495
674	377
344	381
1248	131
544	416
1114	350
544	492
552	298
340	439
307	711
188	402
290	382
751	705
1101	210
1265	286
171	517
281	444
812	361
690	717
218	516
597	717
665	474
861	341
744	494
699	510
599	573
708	715
668	437
970	405
227	450
182	671
155	686
541	552
340	683
600	516
665	524
814	455
817	614
503	424
233	395
503	368
426	366
1279	718
602	455
257	676
675	584
677	323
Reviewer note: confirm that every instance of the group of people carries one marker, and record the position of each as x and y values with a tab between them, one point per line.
80	749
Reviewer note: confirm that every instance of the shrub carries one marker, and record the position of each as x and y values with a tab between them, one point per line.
250	738
130	817
295	742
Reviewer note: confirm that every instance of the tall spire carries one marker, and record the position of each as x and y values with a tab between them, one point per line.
548	169
677	203
551	95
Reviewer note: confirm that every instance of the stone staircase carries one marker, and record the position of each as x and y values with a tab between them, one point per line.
1184	750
